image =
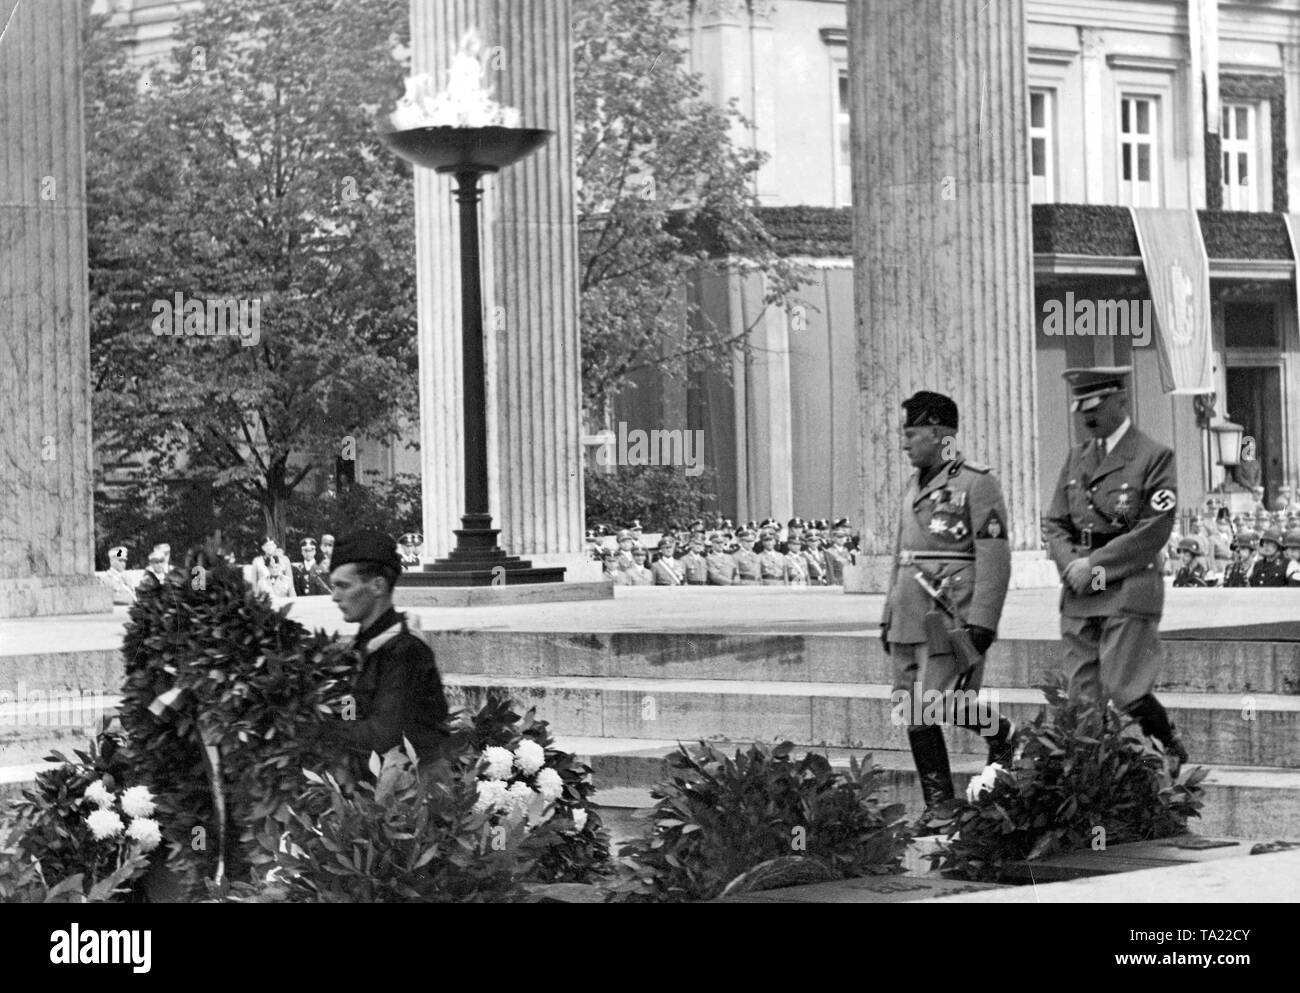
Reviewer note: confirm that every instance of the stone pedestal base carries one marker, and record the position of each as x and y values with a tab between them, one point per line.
1029	571
39	596
498	596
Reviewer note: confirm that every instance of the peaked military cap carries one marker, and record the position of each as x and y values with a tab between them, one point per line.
117	552
1089	387
926	409
366	546
412	538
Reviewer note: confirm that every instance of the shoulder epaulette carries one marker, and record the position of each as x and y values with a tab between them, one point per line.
979	467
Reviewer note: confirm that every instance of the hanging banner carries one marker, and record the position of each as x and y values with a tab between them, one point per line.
1293	230
1178	272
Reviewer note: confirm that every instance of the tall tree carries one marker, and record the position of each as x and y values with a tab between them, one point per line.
244	169
662	188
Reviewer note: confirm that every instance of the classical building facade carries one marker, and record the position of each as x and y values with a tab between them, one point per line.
1116	119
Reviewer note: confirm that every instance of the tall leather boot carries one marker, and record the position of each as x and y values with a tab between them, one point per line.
931	757
1154	721
1001	747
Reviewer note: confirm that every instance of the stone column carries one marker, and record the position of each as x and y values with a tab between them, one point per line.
47	538
943	280
530	290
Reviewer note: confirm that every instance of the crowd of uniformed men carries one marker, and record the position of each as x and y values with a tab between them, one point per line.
804	553
1260	547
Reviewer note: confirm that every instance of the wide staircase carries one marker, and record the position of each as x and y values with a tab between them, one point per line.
624	700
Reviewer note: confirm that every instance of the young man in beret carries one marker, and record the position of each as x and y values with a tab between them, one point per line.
397	689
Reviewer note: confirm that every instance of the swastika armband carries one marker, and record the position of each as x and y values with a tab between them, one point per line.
1164	501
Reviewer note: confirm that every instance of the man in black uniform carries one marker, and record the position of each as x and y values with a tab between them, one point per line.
397	689
1111	516
1270	567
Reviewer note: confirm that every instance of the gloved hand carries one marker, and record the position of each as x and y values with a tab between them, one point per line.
981	638
884	637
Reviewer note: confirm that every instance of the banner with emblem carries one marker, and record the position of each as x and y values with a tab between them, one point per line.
1178	272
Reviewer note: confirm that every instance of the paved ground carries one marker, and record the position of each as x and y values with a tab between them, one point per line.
1030	614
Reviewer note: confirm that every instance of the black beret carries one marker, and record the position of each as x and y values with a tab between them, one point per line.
366	546
926	409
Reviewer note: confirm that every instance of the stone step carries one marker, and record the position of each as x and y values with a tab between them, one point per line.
1190	666
32	727
1238	802
1216	728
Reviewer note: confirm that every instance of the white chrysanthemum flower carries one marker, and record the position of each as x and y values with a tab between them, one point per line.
550	785
579	819
98	794
521	795
145	830
983	783
492	795
137	802
497	762
529	756
104	824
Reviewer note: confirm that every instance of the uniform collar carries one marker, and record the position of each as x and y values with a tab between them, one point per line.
1120	454
386	620
1117	434
941	476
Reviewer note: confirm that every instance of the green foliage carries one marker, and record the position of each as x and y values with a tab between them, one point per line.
560	852
718	817
235	169
48	853
411	836
653	159
253	682
1076	772
660	496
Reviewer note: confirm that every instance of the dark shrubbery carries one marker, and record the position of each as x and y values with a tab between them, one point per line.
719	817
1078	781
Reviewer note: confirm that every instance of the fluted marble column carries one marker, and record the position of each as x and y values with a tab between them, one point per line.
46	527
943	280
530	289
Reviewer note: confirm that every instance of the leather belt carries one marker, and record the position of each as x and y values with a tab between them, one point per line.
907	557
1089	540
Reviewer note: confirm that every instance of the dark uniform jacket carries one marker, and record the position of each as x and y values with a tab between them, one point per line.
1237	574
398	692
1269	572
747	573
1190	575
1118	512
960	513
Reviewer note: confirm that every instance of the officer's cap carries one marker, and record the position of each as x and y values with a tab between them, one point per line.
926	409
411	538
843	522
308	540
366	546
746	534
1089	387
117	552
626	535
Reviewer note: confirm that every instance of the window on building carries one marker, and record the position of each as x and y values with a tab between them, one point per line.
1138	148
1238	140
842	119
1042	159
